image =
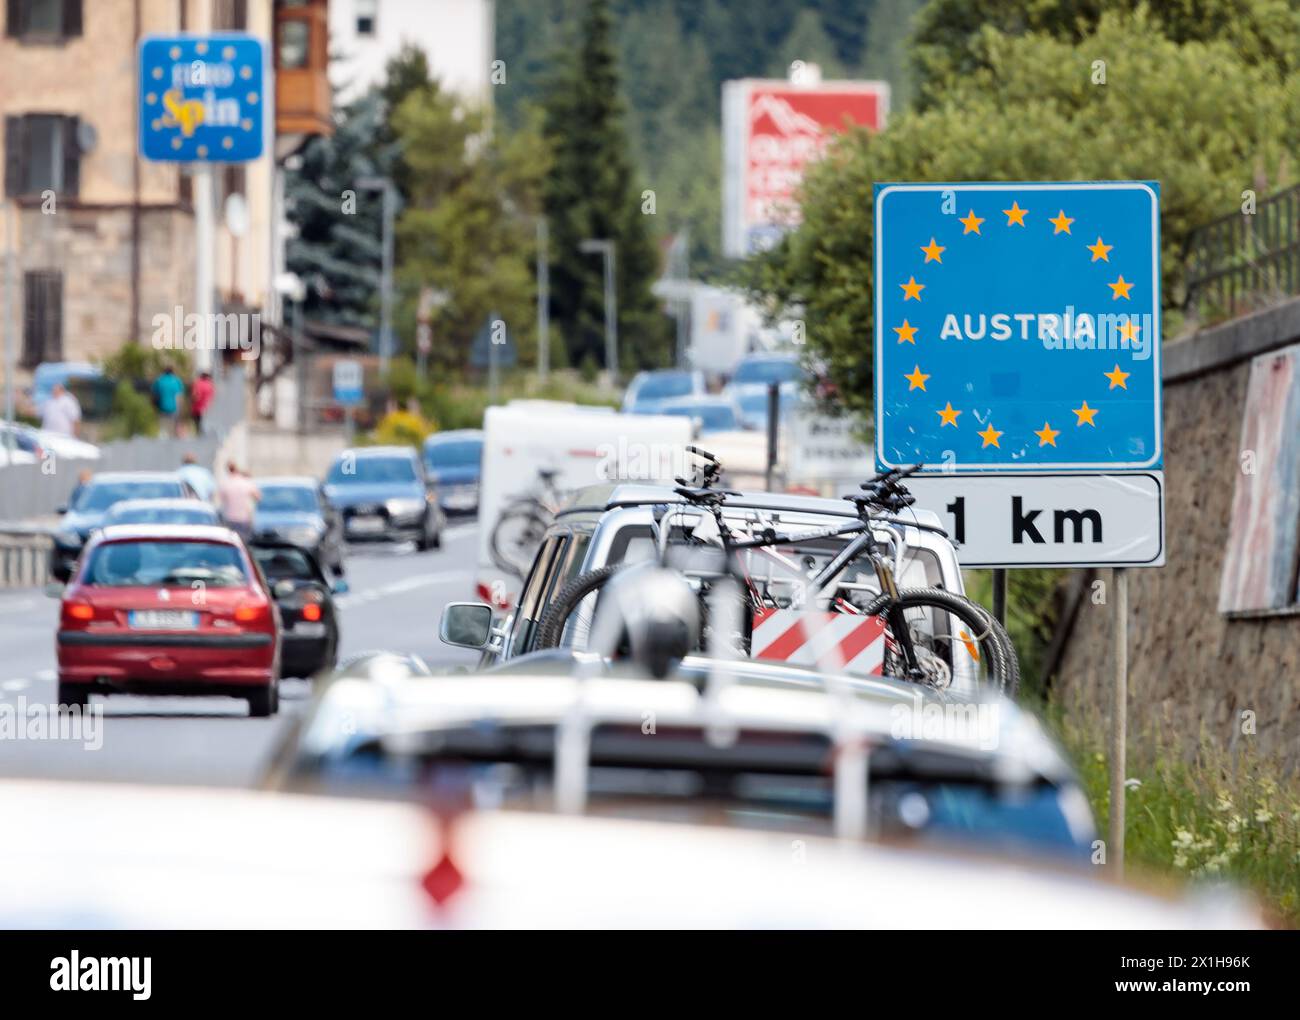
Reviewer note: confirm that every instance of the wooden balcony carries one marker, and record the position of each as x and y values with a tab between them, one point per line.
303	100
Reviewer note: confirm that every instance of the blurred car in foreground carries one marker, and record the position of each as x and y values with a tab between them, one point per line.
309	624
294	510
383	495
454	460
43	442
89	504
162	511
648	390
168	609
257	859
710	414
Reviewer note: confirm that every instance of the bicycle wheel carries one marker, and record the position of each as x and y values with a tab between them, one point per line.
566	601
956	643
517	536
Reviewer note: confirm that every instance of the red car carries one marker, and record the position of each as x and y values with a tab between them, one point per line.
169	609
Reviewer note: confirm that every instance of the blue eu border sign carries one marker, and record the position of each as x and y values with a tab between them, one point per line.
1018	326
203	99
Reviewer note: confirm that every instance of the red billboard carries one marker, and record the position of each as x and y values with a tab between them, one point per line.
772	130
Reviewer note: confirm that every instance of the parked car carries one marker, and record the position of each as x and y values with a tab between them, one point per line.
648	390
85	510
40	442
384	494
294	509
712	414
168	609
309	623
454	460
162	511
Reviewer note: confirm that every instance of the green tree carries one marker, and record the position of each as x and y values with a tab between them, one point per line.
469	227
590	192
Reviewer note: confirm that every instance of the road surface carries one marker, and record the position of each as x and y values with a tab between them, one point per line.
395	598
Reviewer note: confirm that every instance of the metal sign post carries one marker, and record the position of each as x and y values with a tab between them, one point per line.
1017	356
1118	726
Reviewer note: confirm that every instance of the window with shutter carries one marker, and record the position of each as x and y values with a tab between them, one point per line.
16	149
42	153
43	317
72	18
71	159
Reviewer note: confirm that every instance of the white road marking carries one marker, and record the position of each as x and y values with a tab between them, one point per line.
17	684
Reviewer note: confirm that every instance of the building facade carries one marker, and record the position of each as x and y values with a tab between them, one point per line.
456	35
105	240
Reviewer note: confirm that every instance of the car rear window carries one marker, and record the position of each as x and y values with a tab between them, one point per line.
163	515
282	563
146	563
465	453
659	386
101	495
287	499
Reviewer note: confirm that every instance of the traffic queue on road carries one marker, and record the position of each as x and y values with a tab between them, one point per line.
730	680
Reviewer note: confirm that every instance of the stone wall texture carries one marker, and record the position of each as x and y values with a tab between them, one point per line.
1193	671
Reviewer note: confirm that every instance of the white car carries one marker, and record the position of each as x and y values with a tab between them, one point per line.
40	442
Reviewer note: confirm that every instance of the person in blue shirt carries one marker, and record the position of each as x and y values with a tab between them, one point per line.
198	478
167	391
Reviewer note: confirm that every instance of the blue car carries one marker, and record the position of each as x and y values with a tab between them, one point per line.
383	494
648	391
454	460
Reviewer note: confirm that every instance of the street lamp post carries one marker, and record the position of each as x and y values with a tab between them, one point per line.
385	185
606	248
291	287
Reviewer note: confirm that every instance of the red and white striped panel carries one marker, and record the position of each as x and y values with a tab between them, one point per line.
839	642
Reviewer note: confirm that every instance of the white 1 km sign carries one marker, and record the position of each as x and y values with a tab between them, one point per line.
1049	520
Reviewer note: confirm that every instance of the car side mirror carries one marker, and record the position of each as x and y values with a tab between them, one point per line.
54	590
339	586
466	624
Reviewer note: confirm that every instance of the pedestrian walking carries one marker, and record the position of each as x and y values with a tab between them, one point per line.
201	394
61	413
237	498
198	478
167	391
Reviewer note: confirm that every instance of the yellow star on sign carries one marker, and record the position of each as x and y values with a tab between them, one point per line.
1015	214
1100	250
916	381
1086	414
1061	222
906	333
971	223
1129	331
1117	377
1047	435
912	289
948	416
990	436
933	251
1120	288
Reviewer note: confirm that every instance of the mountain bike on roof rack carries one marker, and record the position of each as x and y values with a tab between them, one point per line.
930	635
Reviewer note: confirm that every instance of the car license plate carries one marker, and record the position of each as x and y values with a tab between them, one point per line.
162	619
304	629
366	524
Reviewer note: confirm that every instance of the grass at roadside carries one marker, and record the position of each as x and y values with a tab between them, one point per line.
1213	816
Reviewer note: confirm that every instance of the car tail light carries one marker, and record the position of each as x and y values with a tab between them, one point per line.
311	611
255	612
78	612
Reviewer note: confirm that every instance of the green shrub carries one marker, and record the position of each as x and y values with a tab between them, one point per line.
133	414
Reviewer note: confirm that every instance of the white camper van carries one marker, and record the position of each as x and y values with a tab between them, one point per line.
536	451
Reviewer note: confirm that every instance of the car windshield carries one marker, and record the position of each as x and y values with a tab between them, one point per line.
350	470
197	514
147	563
461	453
284	563
99	496
713	417
773	370
280	499
660	387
